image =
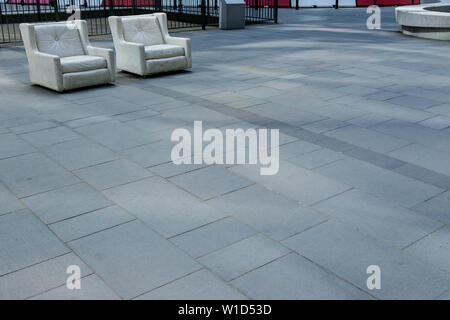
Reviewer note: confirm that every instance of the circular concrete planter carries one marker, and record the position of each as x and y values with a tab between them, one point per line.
431	21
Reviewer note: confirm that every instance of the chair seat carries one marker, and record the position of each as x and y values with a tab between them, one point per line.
82	63
162	51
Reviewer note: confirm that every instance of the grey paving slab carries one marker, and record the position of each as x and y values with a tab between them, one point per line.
348	253
296	148
213	236
437	208
246	255
116	135
210	182
368	120
169	169
8	201
424	157
108	105
382	183
392	224
92	288
31	127
434	249
317	158
438	122
294	182
25	241
268	212
133	259
40	277
87	121
11	145
33	173
79	153
111	174
379	159
294	278
414	102
66	202
325	125
201	285
431	138
90	223
48	137
152	201
367	138
151	154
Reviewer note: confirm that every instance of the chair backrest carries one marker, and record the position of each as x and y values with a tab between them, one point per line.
58	39
144	29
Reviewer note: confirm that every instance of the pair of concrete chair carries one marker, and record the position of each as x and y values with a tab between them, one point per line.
61	57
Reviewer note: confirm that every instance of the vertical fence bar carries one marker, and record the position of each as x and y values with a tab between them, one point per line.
275	13
297	5
203	13
336	6
38	8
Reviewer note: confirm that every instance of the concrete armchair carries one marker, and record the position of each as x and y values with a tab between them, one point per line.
61	58
144	47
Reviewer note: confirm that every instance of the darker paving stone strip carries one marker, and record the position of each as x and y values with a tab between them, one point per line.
424	175
369	156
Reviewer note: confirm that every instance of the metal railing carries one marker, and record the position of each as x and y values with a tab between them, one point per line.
180	13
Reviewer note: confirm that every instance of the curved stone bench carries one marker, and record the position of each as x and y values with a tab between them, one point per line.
431	21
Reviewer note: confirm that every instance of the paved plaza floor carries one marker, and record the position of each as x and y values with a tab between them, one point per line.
86	177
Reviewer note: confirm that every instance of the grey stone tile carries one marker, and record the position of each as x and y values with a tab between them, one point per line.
325	125
438	122
369	120
386	222
210	182
79	153
169	169
11	146
92	288
25	241
116	135
382	183
36	126
294	182
133	259
317	158
437	208
90	223
48	137
136	115
268	212
111	174
434	249
422	156
33	173
87	121
159	123
243	256
151	154
201	285
212	237
296	148
8	202
367	138
416	133
113	106
375	158
348	253
293	277
414	102
152	200
40	277
66	202
425	175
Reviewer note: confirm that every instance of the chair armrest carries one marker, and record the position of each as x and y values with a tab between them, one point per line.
132	55
108	54
183	42
45	69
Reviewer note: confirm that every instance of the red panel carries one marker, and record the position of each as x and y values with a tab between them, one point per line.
129	3
263	3
366	3
31	2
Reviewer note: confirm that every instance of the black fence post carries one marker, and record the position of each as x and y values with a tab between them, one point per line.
275	13
337	4
38	8
133	6
203	11
297	5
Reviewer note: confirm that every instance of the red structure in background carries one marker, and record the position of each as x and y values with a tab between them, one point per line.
269	3
31	2
381	3
129	3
